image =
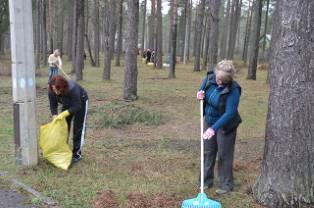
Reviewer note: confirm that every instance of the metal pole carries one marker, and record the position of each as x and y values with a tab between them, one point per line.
23	81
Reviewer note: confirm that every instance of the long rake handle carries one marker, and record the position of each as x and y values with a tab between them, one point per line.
202	145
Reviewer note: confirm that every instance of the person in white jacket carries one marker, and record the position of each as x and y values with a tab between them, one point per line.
54	63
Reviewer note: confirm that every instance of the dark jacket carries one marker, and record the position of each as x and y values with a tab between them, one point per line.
221	104
71	101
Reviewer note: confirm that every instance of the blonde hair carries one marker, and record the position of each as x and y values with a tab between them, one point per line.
226	70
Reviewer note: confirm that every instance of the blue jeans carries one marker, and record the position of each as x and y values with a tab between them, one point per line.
53	71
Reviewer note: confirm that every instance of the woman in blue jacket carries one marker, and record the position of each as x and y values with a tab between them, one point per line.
221	95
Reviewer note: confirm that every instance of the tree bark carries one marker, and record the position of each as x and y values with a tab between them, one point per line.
107	67
224	38
151	40
287	178
186	33
265	28
112	27
37	22
184	28
120	33
70	30
130	73
95	18
159	36
213	34
173	32
143	28
79	47
254	40
198	34
60	24
247	32
92	61
74	35
44	32
207	32
235	18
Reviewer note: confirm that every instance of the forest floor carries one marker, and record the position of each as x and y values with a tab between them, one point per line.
148	161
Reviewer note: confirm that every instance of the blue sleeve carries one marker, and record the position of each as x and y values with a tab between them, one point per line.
203	85
232	104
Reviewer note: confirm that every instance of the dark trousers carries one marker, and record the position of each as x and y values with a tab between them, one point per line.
79	126
223	145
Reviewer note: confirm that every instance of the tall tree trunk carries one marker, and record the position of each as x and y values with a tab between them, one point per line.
234	27
143	28
151	43
74	35
119	48
254	40
112	27
213	33
247	32
79	47
207	32
130	73
95	18
184	29
60	25
70	30
187	32
44	32
107	67
159	36
50	25
198	33
287	178
1	44
173	32
37	33
224	38
92	61
265	28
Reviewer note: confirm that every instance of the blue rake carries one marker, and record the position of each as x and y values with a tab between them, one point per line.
201	201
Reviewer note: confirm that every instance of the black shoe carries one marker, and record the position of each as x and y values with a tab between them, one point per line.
76	158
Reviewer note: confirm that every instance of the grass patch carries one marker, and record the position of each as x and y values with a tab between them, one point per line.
118	115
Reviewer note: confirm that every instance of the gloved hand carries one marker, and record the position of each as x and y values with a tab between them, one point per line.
200	95
63	115
208	133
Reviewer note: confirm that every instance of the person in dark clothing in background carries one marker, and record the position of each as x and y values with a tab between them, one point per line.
74	100
221	95
148	55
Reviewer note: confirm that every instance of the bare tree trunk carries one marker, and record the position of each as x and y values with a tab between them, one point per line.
224	39
130	73
286	178
44	32
120	33
189	33
70	30
151	43
107	67
254	40
79	47
159	36
1	44
198	33
95	18
247	32
265	28
92	61
207	32
214	34
173	31
184	26
187	14
235	18
74	35
50	25
112	27
37	22
60	25
143	28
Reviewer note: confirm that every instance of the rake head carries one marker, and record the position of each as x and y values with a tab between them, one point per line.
201	201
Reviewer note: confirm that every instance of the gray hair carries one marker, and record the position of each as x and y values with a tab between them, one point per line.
226	70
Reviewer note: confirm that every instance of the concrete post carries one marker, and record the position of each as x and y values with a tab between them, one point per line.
23	81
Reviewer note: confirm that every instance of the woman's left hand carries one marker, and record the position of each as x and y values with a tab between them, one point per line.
209	133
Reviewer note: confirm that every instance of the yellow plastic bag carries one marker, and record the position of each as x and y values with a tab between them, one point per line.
53	143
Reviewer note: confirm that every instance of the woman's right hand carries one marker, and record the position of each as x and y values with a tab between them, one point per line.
200	95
